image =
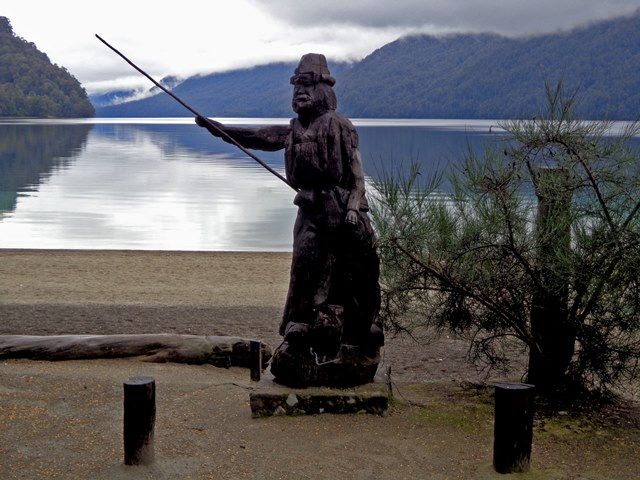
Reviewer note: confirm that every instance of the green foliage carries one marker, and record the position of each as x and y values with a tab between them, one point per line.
31	86
474	261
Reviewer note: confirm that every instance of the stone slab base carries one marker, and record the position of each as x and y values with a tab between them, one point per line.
270	398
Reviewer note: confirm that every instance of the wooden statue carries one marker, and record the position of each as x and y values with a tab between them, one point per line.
330	328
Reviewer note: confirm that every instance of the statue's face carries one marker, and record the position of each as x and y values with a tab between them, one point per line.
305	97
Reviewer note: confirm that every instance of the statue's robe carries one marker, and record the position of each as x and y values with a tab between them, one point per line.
334	263
335	266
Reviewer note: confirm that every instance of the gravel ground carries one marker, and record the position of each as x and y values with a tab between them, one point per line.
64	419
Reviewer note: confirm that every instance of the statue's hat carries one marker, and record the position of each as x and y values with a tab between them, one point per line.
314	64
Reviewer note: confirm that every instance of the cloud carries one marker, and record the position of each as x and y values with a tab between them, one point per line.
205	36
511	17
201	37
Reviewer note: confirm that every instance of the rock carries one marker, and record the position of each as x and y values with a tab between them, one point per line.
270	398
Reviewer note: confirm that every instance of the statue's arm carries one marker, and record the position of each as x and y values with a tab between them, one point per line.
357	188
269	138
350	142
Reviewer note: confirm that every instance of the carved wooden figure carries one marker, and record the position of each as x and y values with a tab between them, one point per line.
330	327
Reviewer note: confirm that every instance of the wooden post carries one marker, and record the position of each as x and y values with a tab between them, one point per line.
554	337
139	420
255	353
513	427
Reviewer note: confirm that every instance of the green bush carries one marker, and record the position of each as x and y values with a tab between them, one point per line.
537	246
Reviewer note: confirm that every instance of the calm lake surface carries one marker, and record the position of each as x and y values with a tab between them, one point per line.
165	184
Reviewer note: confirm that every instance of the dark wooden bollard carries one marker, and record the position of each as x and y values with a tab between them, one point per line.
255	353
139	420
513	427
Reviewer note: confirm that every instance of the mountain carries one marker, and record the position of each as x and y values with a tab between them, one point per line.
452	76
253	92
31	86
489	76
262	91
116	97
112	97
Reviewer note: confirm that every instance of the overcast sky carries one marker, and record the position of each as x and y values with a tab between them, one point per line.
202	36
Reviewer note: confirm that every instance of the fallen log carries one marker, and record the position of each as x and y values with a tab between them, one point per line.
220	351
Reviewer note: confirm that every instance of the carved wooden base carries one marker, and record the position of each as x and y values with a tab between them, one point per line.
297	366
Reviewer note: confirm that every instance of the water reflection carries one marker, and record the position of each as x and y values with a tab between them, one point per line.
382	147
173	186
30	154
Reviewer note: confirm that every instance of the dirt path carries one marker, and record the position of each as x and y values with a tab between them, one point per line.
204	428
63	420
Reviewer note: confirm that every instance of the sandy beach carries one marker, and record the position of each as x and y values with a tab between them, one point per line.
49	292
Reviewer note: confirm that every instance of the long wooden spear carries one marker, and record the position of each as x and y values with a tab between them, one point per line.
197	114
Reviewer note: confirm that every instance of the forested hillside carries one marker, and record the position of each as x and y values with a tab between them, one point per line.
455	76
116	97
262	91
31	86
256	91
488	76
112	97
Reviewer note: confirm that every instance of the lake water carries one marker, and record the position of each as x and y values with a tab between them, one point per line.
166	184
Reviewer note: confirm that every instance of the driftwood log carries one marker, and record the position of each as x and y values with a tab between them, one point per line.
220	351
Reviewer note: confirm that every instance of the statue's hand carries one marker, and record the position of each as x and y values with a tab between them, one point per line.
376	335
352	217
206	123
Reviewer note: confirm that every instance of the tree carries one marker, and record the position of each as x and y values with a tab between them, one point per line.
537	246
31	86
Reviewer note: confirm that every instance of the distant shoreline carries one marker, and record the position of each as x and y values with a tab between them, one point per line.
468	124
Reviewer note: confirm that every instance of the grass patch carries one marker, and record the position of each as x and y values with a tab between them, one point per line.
447	419
598	440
